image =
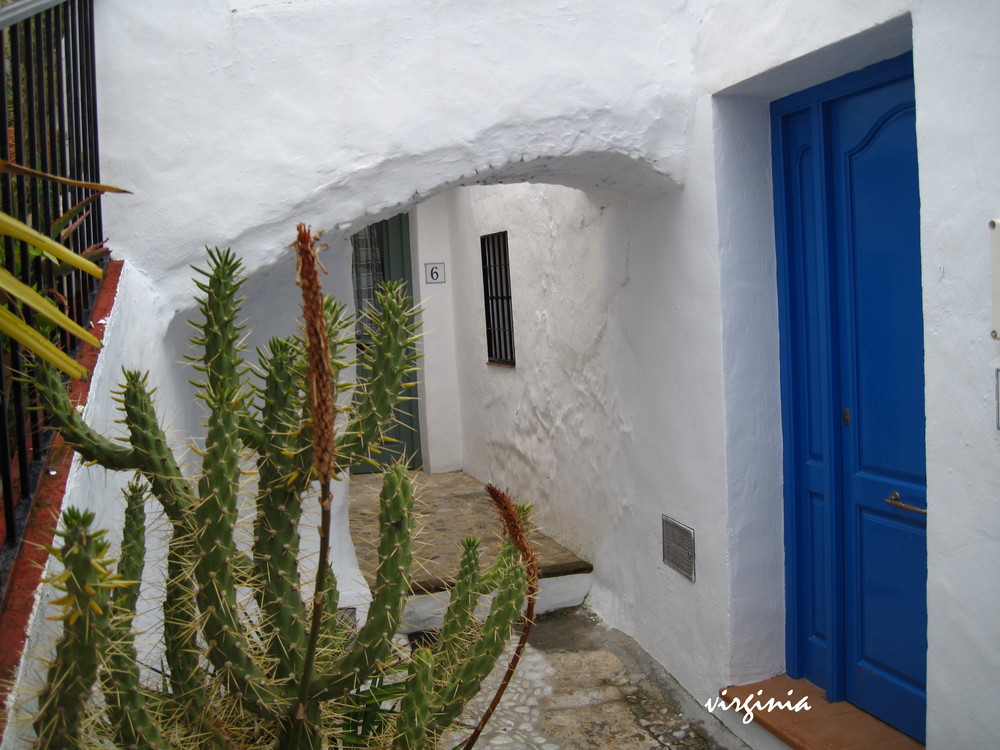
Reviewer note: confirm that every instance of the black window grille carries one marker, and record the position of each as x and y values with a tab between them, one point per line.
496	288
369	272
48	123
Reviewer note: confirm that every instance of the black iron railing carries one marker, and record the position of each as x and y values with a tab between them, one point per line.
48	123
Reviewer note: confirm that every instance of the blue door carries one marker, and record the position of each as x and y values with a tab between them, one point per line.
847	217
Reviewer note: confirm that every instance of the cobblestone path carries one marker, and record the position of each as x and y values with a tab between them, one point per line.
571	693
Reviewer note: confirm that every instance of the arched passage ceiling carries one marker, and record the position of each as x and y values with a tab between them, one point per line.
337	113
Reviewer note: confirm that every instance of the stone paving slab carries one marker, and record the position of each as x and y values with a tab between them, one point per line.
448	508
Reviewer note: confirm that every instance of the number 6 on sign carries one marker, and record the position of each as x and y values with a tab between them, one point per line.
434	273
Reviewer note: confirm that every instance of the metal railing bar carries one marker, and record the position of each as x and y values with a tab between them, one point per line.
22	11
87	10
87	58
48	122
34	189
73	88
63	193
7	476
23	258
13	391
6	454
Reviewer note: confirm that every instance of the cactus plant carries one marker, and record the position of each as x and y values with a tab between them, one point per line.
282	668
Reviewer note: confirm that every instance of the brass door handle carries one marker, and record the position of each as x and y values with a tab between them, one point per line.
896	502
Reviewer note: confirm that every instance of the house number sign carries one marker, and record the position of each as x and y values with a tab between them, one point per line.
434	273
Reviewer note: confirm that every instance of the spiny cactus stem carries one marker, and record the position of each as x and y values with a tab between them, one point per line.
514	526
317	612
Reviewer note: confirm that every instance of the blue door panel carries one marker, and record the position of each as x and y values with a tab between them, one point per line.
805	316
883	616
876	206
847	219
806	312
878	228
818	608
888	674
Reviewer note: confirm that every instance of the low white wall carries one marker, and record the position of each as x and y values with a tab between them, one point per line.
93	487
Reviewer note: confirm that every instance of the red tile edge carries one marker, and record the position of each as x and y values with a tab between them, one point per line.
26	573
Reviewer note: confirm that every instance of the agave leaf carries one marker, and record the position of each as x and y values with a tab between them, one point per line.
29	338
73	216
18	229
39	304
11	168
95	254
68	231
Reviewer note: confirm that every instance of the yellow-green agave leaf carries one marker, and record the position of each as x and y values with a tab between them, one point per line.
18	229
29	338
21	291
11	168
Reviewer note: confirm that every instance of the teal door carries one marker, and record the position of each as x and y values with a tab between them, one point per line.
381	252
847	209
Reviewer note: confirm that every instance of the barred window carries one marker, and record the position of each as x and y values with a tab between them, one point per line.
369	272
496	289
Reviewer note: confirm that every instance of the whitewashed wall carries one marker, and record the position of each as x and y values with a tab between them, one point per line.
231	121
957	126
541	428
439	406
594	425
591	425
